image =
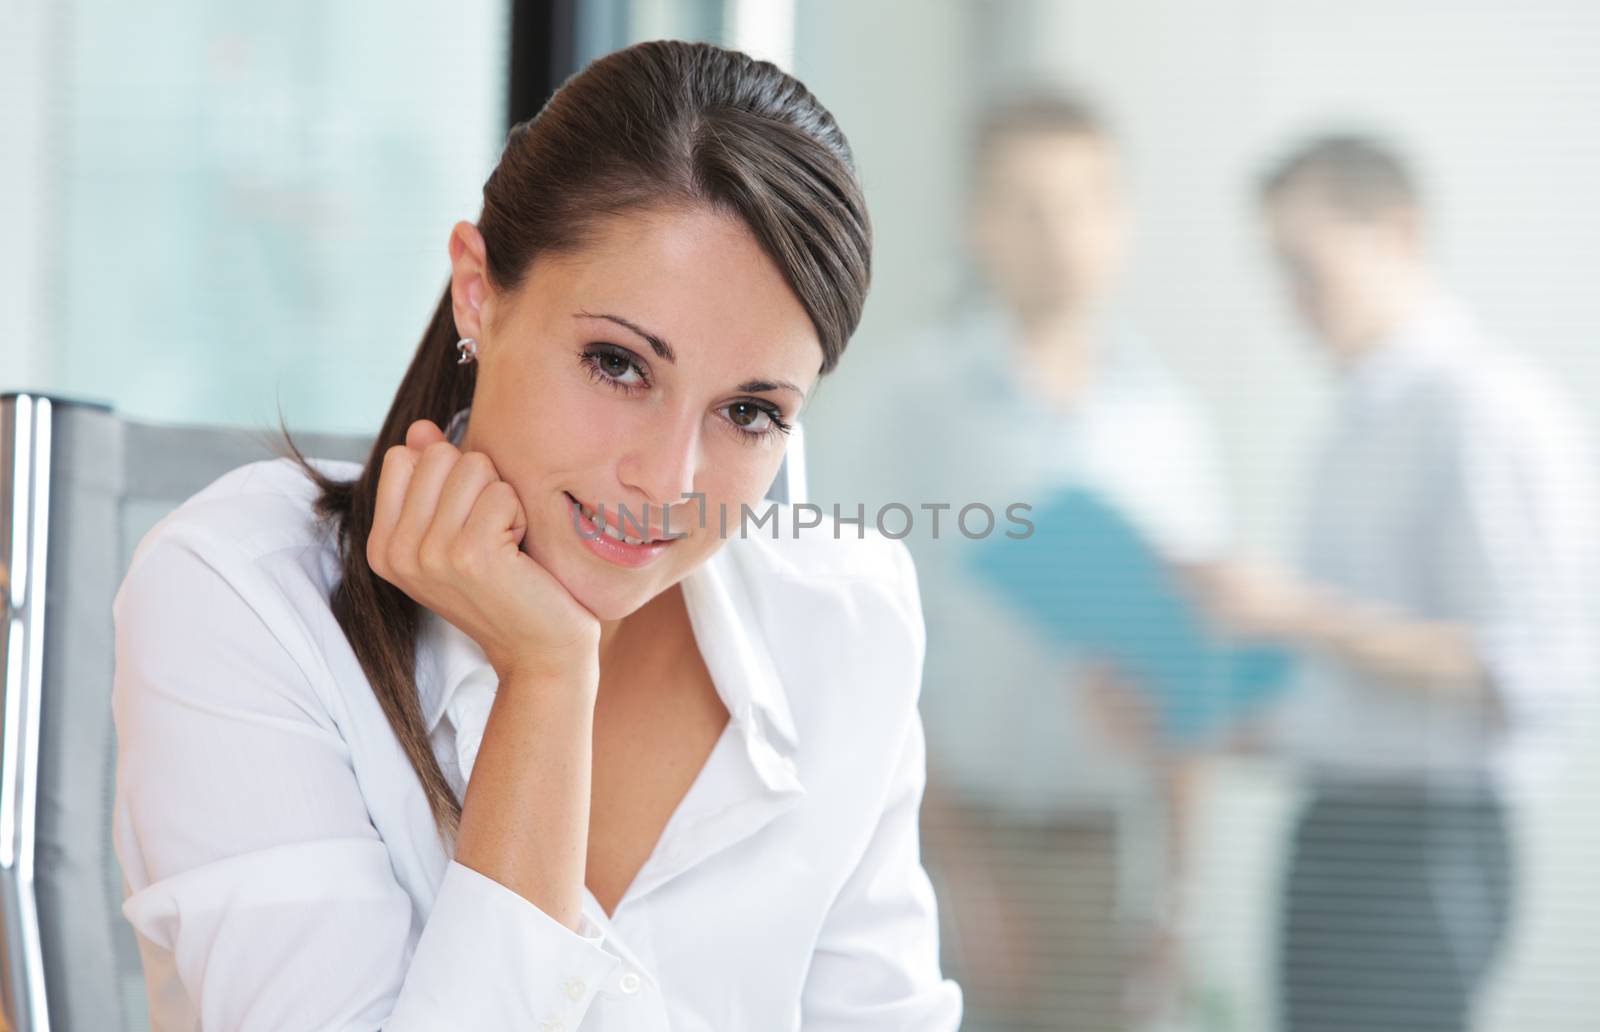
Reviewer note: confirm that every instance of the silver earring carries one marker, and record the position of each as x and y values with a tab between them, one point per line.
469	350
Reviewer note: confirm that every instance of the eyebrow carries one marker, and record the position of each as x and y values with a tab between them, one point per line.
664	351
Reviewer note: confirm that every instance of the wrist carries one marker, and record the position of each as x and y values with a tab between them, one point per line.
546	677
1324	623
525	657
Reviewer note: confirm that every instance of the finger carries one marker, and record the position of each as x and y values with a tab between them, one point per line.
399	462
459	493
422	496
496	511
422	433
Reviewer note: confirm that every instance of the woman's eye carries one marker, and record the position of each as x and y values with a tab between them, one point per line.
616	365
754	421
613	368
748	416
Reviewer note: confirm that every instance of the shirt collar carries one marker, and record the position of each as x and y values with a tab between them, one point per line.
716	594
987	334
1440	329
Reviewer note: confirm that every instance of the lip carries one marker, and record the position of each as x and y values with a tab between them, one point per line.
609	548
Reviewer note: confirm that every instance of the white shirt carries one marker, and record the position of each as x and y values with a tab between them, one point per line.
951	424
281	865
1455	484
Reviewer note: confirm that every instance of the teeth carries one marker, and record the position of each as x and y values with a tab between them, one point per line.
617	532
609	529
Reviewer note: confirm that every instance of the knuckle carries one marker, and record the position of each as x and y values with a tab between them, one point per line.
432	558
438	450
395	456
400	555
464	557
478	462
414	424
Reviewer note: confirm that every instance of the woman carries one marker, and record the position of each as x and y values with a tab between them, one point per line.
430	744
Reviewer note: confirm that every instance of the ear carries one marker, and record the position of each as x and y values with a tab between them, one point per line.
977	231
470	292
1407	228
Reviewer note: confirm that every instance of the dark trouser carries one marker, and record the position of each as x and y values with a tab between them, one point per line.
1398	898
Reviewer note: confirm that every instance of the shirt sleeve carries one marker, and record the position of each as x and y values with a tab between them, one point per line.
876	961
1514	558
251	861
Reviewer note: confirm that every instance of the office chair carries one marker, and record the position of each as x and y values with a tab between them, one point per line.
79	487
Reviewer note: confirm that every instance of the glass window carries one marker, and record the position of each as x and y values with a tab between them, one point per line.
250	203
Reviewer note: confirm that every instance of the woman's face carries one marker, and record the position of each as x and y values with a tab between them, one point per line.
657	363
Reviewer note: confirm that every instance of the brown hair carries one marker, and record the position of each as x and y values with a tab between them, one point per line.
1362	176
663	123
1038	109
1034	108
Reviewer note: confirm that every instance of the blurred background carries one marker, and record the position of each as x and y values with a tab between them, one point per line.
1279	313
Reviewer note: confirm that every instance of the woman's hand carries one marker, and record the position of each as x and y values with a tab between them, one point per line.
448	532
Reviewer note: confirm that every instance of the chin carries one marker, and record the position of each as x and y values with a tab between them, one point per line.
609	602
610	594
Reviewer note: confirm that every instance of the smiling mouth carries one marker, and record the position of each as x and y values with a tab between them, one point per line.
610	526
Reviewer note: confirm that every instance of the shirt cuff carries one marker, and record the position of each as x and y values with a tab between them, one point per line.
490	959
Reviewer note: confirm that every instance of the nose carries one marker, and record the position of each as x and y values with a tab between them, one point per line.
660	467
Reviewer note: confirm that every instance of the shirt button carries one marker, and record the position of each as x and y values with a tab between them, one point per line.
551	1025
575	988
630	982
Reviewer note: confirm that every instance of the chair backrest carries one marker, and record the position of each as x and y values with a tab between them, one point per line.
79	487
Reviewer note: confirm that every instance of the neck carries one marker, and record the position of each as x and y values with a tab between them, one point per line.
1057	349
649	627
608	637
1407	299
1059	330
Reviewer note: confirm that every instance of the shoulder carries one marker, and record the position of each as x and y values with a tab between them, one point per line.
251	510
248	513
244	558
1493	397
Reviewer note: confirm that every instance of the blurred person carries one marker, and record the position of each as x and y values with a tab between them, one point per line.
1441	606
1030	383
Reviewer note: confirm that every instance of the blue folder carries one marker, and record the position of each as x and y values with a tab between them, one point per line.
1091	583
